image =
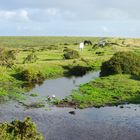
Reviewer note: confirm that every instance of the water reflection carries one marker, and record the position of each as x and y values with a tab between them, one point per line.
63	86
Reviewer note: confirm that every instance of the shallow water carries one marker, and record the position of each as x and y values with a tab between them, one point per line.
63	86
105	123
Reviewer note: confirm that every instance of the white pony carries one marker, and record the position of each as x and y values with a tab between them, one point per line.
81	46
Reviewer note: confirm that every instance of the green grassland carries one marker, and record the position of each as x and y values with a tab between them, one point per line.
50	61
111	90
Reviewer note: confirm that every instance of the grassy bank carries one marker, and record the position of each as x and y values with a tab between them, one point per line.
111	90
45	59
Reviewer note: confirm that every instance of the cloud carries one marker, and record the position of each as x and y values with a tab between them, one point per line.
17	15
84	9
7	14
50	14
23	14
78	9
74	17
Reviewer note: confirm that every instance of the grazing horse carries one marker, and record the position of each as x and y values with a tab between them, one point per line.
87	42
81	46
101	43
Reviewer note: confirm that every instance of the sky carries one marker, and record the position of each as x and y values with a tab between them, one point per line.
104	18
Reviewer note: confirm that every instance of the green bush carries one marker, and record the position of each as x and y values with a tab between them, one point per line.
70	54
31	58
122	62
52	47
7	57
20	130
77	70
66	49
31	75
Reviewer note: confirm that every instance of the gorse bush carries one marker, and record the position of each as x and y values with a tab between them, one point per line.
70	54
12	54
20	130
7	57
66	49
122	62
31	58
76	70
31	75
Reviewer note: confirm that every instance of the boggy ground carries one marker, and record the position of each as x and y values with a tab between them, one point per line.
50	62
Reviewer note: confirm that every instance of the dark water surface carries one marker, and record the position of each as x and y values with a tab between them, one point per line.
106	123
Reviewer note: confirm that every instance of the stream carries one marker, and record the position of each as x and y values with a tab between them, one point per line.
105	123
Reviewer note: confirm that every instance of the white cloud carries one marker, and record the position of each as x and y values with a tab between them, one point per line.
85	9
50	14
7	14
24	14
92	17
16	15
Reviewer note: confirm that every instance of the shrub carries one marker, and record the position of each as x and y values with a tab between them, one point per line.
122	62
77	70
20	130
70	54
52	47
66	49
12	54
31	58
66	44
31	75
7	57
